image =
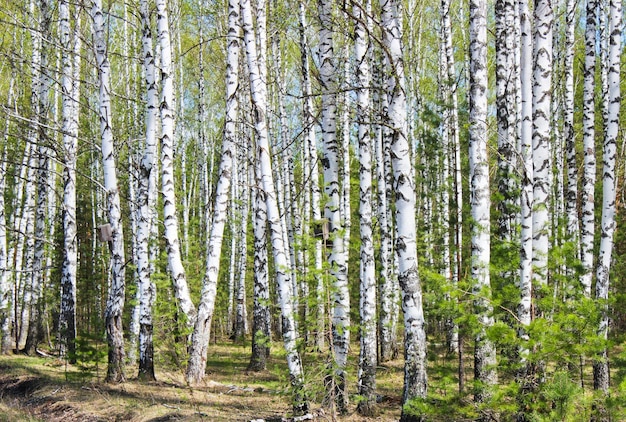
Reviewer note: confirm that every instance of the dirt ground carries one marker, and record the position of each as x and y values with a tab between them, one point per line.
38	389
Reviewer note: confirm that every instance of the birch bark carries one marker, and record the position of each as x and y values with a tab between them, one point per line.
167	108
587	198
258	91
601	374
332	212
69	116
485	353
367	301
415	377
202	328
116	296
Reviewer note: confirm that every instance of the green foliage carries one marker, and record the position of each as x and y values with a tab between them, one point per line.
90	355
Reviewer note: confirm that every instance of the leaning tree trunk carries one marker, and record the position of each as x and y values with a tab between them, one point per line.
336	256
116	296
601	374
170	219
258	91
202	329
485	353
415	377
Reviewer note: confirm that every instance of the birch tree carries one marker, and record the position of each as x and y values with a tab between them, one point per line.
524	310
485	352
43	169
415	377
587	197
258	90
601	374
312	187
69	115
201	332
541	135
332	211
116	296
367	301
146	200
167	109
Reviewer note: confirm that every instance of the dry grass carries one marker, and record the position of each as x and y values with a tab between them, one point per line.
34	389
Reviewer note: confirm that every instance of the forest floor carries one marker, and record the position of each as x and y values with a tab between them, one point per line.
47	389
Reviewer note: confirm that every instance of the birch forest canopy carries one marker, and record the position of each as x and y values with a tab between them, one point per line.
346	184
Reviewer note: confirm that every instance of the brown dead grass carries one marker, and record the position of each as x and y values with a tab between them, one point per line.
36	389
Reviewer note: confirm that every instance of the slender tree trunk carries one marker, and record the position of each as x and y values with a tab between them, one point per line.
589	147
69	113
261	336
485	353
367	305
388	286
330	163
524	311
258	91
415	377
116	296
312	180
202	329
146	201
167	109
35	328
601	374
571	192
542	95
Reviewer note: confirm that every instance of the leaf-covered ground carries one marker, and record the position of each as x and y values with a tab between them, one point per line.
47	389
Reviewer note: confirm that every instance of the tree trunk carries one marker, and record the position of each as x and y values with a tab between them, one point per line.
69	112
367	305
261	336
258	91
542	95
116	296
415	377
601	374
587	198
167	107
336	255
201	333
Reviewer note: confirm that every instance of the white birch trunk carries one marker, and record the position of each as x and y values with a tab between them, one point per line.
312	181
69	116
415	377
571	192
330	163
261	336
35	329
258	90
601	374
485	353
524	311
116	296
587	198
167	109
201	333
388	318
542	95
146	201
367	305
